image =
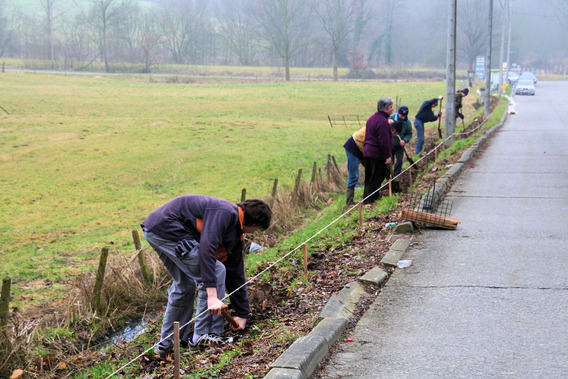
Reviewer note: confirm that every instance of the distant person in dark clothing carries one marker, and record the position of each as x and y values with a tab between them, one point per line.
458	102
377	149
425	114
404	137
354	151
199	241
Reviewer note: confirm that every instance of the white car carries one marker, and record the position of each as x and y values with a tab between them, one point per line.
525	87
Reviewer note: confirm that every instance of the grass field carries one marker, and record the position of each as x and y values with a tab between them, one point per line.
84	159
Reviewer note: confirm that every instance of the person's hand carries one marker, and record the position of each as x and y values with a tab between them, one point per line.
402	142
242	323
388	161
214	305
439	114
391	121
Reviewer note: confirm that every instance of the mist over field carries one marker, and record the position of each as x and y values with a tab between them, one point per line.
73	34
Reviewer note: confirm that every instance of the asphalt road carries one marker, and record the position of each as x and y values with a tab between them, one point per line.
490	299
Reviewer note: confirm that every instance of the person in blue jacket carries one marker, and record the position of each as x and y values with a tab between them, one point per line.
425	114
199	239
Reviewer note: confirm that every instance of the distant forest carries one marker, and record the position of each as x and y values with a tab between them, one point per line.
359	34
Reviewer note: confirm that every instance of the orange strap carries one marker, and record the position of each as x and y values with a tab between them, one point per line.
221	252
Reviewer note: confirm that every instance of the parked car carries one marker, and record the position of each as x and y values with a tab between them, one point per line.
525	87
512	78
529	76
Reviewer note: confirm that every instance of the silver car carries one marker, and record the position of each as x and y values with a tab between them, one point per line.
525	87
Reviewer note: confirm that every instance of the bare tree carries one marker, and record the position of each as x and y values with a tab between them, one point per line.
285	23
337	18
181	24
102	15
472	30
48	8
5	31
236	29
363	14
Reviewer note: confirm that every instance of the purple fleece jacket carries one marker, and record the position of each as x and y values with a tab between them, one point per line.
176	221
378	137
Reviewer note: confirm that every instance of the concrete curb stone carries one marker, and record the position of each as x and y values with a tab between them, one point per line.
376	276
303	355
300	360
343	304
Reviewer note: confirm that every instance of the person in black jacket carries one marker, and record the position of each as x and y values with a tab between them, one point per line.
460	94
425	114
199	241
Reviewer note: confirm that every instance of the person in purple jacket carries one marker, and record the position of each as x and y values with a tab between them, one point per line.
199	239
377	149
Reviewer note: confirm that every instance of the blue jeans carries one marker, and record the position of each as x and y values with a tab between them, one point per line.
419	125
353	169
186	274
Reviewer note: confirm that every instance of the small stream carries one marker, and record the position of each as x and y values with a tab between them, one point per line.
128	333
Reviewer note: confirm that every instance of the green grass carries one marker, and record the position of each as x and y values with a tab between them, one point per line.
84	159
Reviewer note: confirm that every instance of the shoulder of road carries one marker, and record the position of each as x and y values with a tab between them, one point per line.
302	358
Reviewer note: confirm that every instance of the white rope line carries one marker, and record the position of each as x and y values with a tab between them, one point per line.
289	253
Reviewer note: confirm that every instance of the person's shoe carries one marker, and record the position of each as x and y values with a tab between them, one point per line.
207	340
162	350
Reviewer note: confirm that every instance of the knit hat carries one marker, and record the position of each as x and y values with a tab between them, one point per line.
403	110
465	91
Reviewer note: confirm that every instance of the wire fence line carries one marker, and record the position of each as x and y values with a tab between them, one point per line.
252	279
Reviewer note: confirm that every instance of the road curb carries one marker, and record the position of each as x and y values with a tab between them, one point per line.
301	359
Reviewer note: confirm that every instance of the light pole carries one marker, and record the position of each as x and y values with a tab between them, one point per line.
451	72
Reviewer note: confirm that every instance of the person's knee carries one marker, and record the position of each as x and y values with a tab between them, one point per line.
182	299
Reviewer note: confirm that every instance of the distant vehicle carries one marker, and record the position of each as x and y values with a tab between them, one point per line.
525	87
512	78
529	76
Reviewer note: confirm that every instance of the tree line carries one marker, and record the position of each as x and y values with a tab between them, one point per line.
72	34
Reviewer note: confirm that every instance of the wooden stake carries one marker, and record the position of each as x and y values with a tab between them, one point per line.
96	302
361	215
314	173
148	277
435	153
176	350
390	187
243	194
297	184
5	302
305	262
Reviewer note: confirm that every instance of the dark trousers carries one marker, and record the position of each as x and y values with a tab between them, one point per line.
375	173
397	157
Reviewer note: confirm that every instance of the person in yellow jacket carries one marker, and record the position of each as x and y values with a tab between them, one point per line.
354	151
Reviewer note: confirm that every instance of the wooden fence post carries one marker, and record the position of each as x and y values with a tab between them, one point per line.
335	164
176	350
148	277
5	302
243	194
314	172
305	262
361	215
96	299
297	184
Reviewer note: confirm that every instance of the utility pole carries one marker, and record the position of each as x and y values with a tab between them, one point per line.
510	13
451	73
50	30
500	90
488	62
